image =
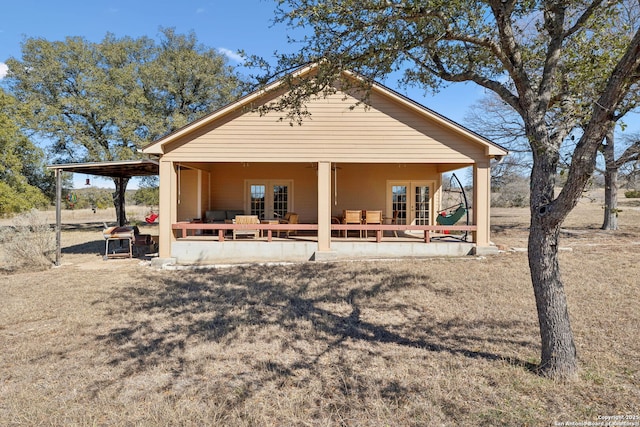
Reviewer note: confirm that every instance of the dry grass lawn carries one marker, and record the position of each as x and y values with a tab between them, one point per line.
450	342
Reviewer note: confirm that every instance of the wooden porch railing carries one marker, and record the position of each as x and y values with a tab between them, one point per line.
380	228
185	227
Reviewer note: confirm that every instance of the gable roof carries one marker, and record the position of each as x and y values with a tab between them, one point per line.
491	149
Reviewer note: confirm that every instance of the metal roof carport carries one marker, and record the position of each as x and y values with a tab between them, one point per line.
120	169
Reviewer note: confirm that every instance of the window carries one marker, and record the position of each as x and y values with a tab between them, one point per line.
399	202
269	198
258	193
280	200
412	201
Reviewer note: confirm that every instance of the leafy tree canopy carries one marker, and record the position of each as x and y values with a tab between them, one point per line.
22	173
563	65
102	101
147	195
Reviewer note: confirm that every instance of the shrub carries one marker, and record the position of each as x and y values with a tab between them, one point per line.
29	244
20	198
87	198
148	196
513	194
632	194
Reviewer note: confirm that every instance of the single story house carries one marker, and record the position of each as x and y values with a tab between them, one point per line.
382	152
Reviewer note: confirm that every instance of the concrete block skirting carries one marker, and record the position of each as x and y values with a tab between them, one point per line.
356	250
209	252
485	250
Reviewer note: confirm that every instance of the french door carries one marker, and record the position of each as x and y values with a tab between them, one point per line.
269	198
411	200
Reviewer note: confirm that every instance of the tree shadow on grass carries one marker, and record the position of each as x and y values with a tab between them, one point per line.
87	248
504	228
82	226
318	304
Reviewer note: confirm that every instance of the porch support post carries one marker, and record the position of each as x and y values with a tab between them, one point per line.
482	202
167	208
324	206
58	174
199	207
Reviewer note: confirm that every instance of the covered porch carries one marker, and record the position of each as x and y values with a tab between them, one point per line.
408	196
387	157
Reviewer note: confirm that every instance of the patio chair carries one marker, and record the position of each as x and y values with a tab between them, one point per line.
452	216
352	217
372	217
246	219
335	220
394	221
289	218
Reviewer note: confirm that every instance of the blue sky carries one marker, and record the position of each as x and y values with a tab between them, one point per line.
226	25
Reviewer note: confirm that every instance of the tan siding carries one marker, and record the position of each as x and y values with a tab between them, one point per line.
228	185
205	192
359	186
227	190
365	186
387	133
394	140
188	197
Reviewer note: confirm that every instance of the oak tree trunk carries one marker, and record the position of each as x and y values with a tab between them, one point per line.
119	200
610	184
558	358
610	200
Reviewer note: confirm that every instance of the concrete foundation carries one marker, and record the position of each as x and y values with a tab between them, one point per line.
201	252
485	250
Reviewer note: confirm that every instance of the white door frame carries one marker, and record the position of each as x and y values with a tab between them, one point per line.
268	202
410	197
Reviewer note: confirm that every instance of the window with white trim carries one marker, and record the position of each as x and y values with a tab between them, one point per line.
269	198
